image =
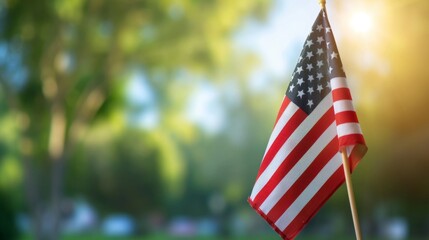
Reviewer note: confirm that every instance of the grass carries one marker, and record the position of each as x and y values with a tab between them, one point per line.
158	237
167	237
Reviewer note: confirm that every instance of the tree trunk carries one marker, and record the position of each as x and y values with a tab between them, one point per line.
57	156
57	197
33	198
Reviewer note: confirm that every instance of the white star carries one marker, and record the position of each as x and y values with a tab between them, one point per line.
300	81
334	55
299	70
309	67
319	63
328	29
320	40
330	69
328	85
310	54
319	27
310	103
327	44
301	93
319	88
309	43
310	78
291	87
319	76
300	59
310	90
320	51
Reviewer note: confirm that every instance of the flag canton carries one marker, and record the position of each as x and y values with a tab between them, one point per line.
318	63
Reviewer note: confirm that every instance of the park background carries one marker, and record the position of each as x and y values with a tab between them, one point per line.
148	119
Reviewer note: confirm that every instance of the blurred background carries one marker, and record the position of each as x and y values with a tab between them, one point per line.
148	119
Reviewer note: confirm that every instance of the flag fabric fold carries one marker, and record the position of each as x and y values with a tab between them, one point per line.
302	164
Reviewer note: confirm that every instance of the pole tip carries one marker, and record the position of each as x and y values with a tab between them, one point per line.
322	3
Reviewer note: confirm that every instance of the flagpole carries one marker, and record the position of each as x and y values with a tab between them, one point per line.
351	194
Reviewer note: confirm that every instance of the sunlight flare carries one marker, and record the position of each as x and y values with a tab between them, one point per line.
362	22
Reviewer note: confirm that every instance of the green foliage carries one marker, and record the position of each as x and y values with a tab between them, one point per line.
11	172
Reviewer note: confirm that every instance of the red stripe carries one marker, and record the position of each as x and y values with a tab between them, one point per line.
357	153
284	105
306	142
299	222
351	139
341	94
302	182
284	134
346	117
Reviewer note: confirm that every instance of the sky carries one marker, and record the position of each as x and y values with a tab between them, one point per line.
278	40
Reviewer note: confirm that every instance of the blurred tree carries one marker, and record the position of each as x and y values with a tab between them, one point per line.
121	172
61	62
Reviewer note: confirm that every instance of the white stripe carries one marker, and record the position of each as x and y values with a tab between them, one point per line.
348	128
343	105
287	114
290	214
338	82
284	185
291	143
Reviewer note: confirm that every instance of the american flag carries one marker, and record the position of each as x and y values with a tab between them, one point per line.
302	165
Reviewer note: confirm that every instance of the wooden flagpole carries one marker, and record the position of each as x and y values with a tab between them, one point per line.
346	165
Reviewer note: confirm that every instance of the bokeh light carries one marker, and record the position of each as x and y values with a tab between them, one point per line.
362	22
